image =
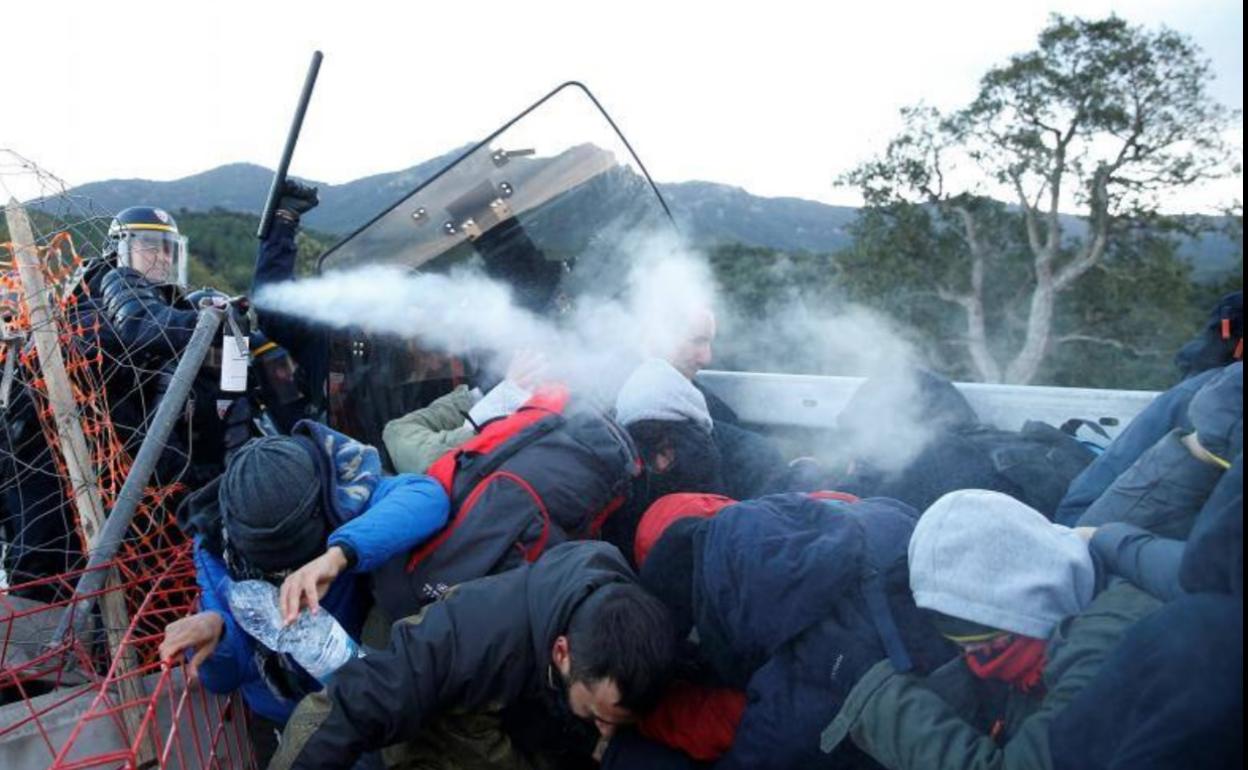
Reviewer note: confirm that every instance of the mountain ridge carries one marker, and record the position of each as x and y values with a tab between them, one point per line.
708	212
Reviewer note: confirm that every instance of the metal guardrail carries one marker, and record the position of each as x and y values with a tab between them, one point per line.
814	401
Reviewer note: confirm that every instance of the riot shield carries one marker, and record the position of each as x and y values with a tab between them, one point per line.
553	203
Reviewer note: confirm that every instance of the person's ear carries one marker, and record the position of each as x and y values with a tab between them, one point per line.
664	459
561	655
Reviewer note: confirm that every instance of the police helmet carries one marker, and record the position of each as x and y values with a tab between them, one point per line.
147	239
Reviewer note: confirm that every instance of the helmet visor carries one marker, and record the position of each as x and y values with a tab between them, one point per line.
160	255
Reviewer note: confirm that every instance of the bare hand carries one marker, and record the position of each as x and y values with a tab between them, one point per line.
527	368
200	632
1085	533
306	585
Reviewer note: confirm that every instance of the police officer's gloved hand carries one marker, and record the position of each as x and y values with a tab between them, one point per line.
297	199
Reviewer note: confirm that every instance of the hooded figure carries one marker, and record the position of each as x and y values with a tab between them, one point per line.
668	421
313	505
1018	595
791	599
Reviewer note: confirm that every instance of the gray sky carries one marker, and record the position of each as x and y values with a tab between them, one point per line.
776	96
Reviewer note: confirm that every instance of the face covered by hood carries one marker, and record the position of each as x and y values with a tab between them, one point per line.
985	557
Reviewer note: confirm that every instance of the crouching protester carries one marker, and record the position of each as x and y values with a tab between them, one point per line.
1036	622
532	667
312	513
1163	489
668	421
790	599
1172	693
1163	414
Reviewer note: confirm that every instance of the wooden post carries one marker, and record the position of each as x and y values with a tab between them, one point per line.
43	329
74	449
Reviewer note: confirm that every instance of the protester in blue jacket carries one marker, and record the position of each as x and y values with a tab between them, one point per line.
1172	693
792	599
1165	413
313	513
1164	489
1168	568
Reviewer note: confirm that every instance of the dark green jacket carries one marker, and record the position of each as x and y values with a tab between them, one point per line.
948	720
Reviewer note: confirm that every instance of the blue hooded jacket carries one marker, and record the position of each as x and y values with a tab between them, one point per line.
1166	412
793	599
376	517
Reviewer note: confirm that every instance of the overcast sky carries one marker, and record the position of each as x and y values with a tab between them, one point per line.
777	97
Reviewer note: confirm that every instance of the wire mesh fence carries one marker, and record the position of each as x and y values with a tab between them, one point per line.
80	684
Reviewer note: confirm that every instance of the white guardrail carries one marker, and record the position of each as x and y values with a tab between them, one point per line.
814	401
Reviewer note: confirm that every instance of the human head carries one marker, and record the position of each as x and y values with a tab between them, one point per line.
693	350
617	656
657	391
668	510
667	418
679	457
271	505
668	570
986	558
147	239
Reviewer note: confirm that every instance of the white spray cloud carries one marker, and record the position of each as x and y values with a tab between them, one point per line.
595	345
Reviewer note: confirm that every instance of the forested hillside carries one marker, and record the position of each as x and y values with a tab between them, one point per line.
223	248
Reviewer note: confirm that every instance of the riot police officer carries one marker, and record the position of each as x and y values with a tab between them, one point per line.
131	316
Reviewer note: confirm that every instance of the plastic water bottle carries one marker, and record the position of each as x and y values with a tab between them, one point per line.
317	642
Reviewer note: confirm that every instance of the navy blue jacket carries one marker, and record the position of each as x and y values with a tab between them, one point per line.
794	598
1166	412
1170	694
1212	559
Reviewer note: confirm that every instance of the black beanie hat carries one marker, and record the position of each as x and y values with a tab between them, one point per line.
270	499
668	570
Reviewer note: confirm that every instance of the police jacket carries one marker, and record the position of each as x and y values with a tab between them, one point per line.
308	342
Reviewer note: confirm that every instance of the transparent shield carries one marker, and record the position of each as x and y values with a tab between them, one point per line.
550	203
553	203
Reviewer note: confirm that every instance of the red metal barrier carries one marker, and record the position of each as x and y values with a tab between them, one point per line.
74	705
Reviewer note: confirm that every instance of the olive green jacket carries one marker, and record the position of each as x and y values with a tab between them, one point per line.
416	439
954	721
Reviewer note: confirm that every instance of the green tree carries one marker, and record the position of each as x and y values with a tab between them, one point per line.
223	248
1103	116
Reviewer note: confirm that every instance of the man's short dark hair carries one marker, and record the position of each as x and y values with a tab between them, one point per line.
624	634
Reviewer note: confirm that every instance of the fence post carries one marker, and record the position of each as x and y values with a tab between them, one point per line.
73	445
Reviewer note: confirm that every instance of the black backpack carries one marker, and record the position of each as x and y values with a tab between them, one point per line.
554	470
1040	461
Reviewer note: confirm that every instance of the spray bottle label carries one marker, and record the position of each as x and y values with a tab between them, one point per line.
235	352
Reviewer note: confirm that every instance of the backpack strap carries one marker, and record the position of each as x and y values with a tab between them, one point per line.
882	617
1071	428
551	400
533	430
